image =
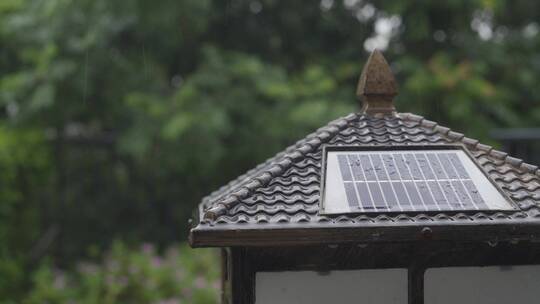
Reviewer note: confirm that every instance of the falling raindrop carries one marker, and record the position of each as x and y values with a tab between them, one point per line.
493	243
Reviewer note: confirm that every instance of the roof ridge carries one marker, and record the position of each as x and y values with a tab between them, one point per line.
517	163
291	155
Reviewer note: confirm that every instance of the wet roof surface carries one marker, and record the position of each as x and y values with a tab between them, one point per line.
285	190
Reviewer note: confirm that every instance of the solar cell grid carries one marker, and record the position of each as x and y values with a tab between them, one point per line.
367	168
402	166
391	167
404	181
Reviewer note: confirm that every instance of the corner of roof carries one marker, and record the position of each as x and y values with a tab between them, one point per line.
275	167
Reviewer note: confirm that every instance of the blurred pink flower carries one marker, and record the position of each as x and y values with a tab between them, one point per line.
200	283
156	261
147	248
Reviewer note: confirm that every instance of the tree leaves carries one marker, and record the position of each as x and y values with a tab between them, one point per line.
123	114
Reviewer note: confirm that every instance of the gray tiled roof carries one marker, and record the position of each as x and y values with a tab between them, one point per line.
284	191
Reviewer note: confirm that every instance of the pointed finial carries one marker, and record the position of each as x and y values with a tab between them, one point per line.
377	86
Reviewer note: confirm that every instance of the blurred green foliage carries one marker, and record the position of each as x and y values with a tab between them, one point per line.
118	116
132	276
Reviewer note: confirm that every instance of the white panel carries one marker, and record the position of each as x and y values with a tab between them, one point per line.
491	195
335	199
482	285
381	286
335	192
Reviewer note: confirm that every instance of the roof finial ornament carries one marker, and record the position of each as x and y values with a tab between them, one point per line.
377	87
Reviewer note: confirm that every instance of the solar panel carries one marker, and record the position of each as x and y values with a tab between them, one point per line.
444	179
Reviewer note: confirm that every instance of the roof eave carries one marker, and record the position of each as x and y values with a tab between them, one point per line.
310	234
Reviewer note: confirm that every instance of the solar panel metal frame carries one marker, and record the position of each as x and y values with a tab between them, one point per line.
332	148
